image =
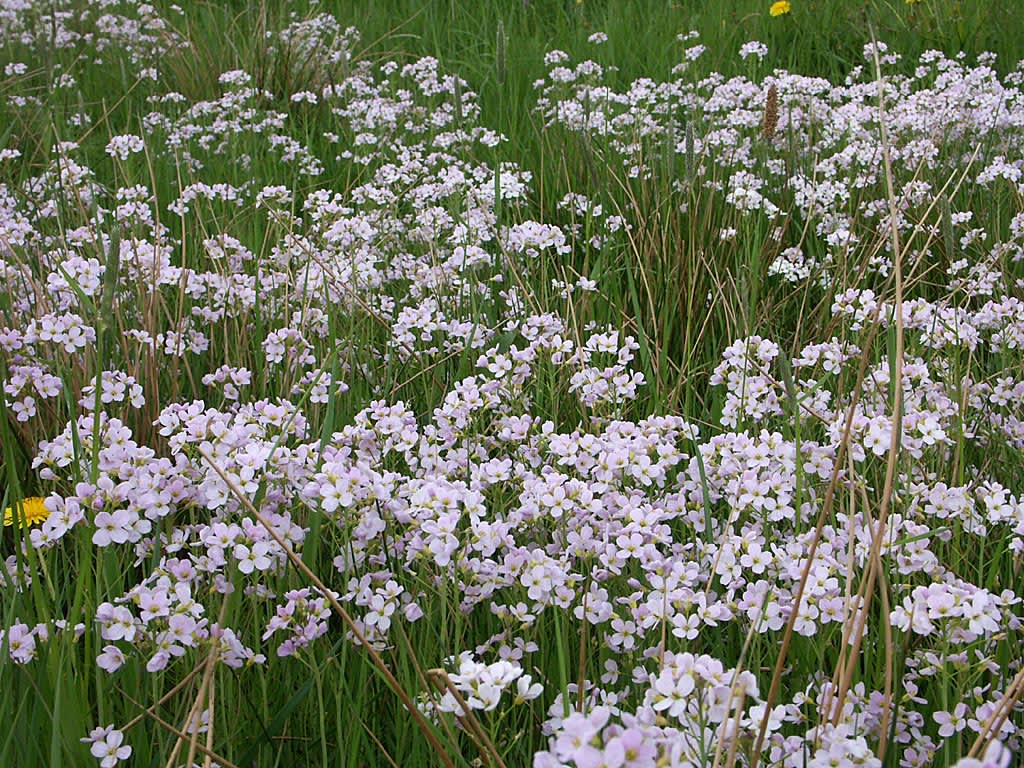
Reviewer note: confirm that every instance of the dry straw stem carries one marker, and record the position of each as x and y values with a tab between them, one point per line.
867	584
163	699
735	705
999	715
208	760
306	571
919	227
224	762
373	737
426	683
886	626
823	516
192	720
581	680
484	743
734	743
890	671
874	568
740	663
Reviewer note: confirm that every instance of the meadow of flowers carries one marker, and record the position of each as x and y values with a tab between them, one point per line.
362	408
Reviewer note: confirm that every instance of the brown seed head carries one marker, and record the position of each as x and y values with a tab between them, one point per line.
771	112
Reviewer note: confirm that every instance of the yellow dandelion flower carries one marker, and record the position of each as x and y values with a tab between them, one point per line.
31	511
780	8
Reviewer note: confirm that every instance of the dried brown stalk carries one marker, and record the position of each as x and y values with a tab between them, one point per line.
306	571
999	715
442	680
874	566
225	763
